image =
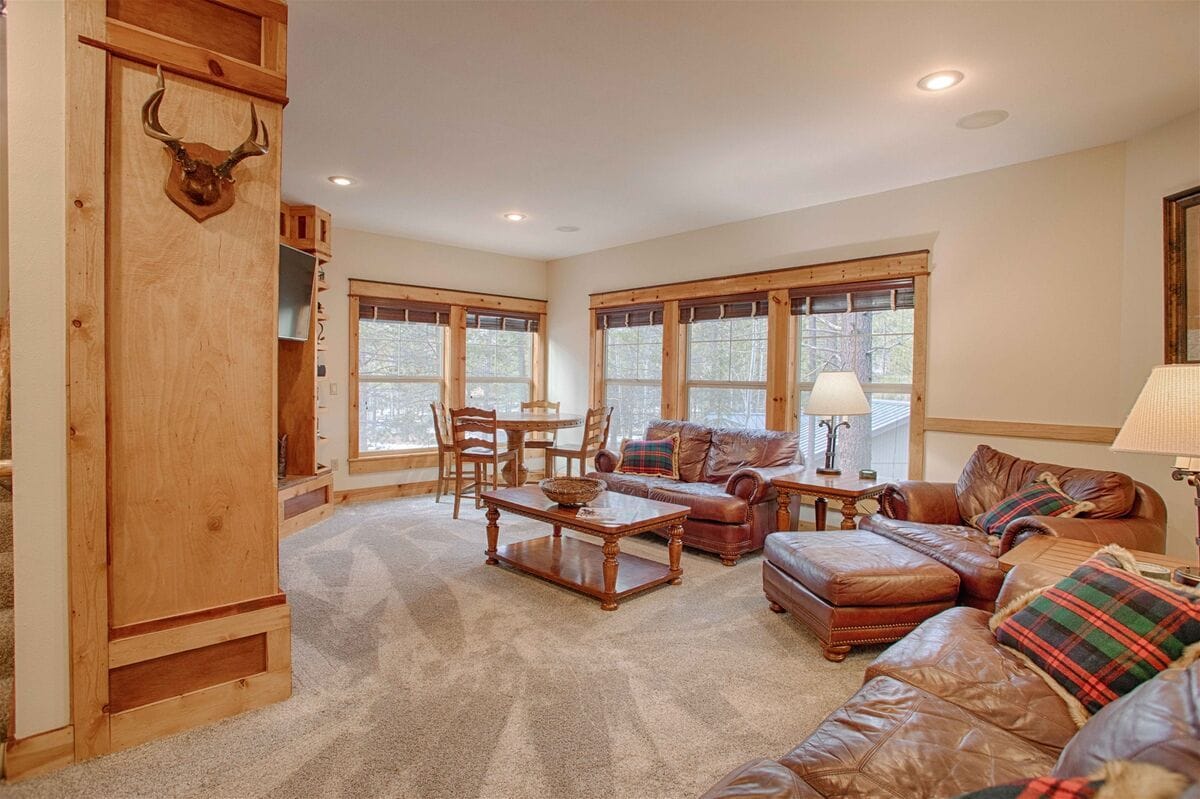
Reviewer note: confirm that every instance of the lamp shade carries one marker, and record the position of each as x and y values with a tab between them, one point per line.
837	394
1164	420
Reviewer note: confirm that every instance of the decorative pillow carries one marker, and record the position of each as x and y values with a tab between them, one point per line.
657	458
1102	631
1042	497
1119	779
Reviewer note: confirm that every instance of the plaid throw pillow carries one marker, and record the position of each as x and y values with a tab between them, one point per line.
1116	779
654	458
1042	497
1102	631
1041	788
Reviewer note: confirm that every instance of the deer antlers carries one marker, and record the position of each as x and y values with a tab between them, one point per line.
247	149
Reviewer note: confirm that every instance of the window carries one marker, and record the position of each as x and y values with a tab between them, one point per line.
412	346
877	345
633	340
400	372
727	363
499	362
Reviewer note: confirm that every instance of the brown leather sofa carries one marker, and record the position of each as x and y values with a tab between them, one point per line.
946	710
724	477
931	518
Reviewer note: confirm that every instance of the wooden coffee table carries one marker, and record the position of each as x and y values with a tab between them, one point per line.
849	488
604	571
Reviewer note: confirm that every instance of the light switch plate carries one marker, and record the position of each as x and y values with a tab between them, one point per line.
333	388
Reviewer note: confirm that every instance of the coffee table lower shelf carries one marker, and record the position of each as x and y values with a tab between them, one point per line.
579	565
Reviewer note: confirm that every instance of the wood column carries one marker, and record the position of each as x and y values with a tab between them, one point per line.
781	362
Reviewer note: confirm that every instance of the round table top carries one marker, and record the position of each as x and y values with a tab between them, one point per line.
533	421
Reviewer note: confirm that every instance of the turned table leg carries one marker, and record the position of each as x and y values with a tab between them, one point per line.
674	550
514	471
849	511
557	531
611	549
835	653
820	510
493	534
783	514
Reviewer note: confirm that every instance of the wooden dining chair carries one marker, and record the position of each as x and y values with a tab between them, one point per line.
475	442
595	438
447	464
541	441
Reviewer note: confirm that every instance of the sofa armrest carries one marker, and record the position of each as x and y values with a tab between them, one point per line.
753	483
1131	532
919	501
761	779
606	461
1023	578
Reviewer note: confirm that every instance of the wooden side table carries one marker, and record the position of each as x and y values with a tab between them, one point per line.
1061	555
849	488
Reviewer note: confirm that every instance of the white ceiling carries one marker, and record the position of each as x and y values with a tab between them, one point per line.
635	120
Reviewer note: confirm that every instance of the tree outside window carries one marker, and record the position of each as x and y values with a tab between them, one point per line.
632	379
727	372
499	369
400	372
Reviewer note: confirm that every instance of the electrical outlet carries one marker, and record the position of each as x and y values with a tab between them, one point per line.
333	389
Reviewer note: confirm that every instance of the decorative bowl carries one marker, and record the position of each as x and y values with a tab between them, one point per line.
571	492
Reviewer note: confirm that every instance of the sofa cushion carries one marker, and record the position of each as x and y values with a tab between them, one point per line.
635	485
761	779
1041	497
1158	723
694	441
706	500
991	475
735	449
1104	630
955	656
893	739
853	568
963	549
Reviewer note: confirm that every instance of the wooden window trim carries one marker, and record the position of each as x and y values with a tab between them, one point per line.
781	385
454	372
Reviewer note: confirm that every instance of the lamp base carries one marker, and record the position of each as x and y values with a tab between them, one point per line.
1188	575
823	470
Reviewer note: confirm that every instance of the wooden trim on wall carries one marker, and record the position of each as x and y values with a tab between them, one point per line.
385	492
781	362
596	394
395	291
908	264
540	360
39	754
352	389
457	356
674	350
87	499
1083	434
920	378
371	464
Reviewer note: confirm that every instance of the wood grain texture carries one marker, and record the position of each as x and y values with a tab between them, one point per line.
674	350
38	754
373	464
456	357
157	644
179	673
596	395
191	313
394	291
920	378
297	392
87	541
1047	432
1062	555
884	266
212	26
781	362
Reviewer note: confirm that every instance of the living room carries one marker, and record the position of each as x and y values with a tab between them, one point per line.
573	177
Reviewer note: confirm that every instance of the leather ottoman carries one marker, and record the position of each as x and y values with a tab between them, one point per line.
854	587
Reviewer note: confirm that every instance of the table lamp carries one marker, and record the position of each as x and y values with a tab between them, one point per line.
1165	421
835	394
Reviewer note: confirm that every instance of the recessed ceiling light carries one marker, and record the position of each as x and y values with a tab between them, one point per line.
341	180
515	216
567	228
938	81
982	119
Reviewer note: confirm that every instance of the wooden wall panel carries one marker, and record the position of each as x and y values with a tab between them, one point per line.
181	673
191	320
209	25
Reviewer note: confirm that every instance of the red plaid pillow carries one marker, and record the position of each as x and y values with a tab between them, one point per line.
656	458
1041	788
1116	779
1102	631
1042	497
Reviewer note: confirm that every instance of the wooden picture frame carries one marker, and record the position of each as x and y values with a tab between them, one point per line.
1181	276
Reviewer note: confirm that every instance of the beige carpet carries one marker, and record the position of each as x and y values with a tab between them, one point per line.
421	672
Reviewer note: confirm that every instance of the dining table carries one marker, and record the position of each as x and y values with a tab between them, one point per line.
517	424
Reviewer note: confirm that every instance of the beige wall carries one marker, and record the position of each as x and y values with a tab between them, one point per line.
37	136
1027	317
372	256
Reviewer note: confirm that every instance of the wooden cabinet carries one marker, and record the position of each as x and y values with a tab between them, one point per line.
306	491
177	617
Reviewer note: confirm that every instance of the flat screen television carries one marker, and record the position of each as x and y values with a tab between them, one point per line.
295	292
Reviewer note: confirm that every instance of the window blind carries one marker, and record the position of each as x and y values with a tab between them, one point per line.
501	320
883	295
631	316
742	306
385	310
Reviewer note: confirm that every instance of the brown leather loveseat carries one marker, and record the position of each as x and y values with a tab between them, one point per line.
947	710
724	477
931	518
